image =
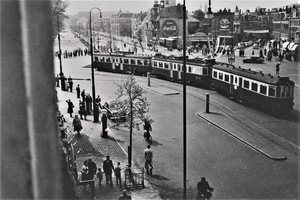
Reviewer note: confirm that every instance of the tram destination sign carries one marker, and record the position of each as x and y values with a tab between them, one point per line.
169	28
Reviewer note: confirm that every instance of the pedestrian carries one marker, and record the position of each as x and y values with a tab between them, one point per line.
118	174
84	171
104	125
100	176
98	100
70	107
265	51
70	81
278	67
96	110
82	110
57	80
203	189
92	169
124	195
108	167
78	91
88	102
63	83
83	95
77	124
148	154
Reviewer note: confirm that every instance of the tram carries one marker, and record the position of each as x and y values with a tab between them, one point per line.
198	71
122	63
248	86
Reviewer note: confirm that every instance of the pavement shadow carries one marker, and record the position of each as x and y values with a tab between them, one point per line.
159	177
82	145
156	143
114	139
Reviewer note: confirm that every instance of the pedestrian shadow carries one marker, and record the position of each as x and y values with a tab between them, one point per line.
159	177
156	143
114	139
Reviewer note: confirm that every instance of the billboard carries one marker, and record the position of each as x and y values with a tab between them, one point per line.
169	28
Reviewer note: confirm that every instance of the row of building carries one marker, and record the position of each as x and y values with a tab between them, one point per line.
164	21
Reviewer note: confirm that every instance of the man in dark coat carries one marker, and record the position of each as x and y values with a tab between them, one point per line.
104	125
78	91
70	81
204	189
108	167
83	95
92	169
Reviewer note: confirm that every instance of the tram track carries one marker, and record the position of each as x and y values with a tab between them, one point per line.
275	137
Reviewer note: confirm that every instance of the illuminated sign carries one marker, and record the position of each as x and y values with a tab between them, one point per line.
224	23
169	28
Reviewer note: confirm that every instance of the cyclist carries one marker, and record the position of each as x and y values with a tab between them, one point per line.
147	129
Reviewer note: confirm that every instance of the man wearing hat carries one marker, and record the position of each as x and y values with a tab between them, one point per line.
108	167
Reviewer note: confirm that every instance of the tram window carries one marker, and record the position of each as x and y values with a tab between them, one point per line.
221	76
179	67
160	65
132	62
263	89
107	59
171	66
190	69
113	60
288	92
278	91
139	62
205	71
272	91
117	60
226	77
121	60
145	62
246	84
254	87
235	80
102	59
215	74
96	59
166	66
155	63
283	92
126	61
175	67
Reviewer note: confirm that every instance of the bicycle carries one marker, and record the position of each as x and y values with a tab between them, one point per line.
148	137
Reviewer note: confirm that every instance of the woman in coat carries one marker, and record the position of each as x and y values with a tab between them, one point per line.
77	125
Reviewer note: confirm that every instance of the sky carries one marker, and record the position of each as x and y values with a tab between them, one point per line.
136	6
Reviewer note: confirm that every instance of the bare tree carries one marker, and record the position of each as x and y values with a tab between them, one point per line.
132	102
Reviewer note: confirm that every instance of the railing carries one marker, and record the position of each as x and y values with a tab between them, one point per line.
134	178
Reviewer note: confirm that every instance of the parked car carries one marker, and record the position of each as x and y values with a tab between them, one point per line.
255	46
113	111
253	59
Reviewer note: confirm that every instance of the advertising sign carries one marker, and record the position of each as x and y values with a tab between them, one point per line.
169	28
224	23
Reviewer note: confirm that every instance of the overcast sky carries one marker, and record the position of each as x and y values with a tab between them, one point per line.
135	6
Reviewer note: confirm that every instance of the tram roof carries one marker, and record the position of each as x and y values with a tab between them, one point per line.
124	55
254	75
179	59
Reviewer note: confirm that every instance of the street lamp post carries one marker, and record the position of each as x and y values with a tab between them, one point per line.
92	64
59	56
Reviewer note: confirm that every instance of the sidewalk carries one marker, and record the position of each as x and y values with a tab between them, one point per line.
91	145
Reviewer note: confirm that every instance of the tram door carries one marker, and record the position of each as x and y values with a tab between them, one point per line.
171	70
233	87
240	89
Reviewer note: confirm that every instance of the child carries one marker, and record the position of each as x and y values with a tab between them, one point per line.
100	176
118	173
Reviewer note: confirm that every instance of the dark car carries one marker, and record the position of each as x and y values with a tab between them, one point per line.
253	59
113	112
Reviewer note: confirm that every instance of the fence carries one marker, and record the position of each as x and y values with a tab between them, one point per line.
134	178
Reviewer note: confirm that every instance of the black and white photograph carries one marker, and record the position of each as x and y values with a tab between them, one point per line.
150	99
